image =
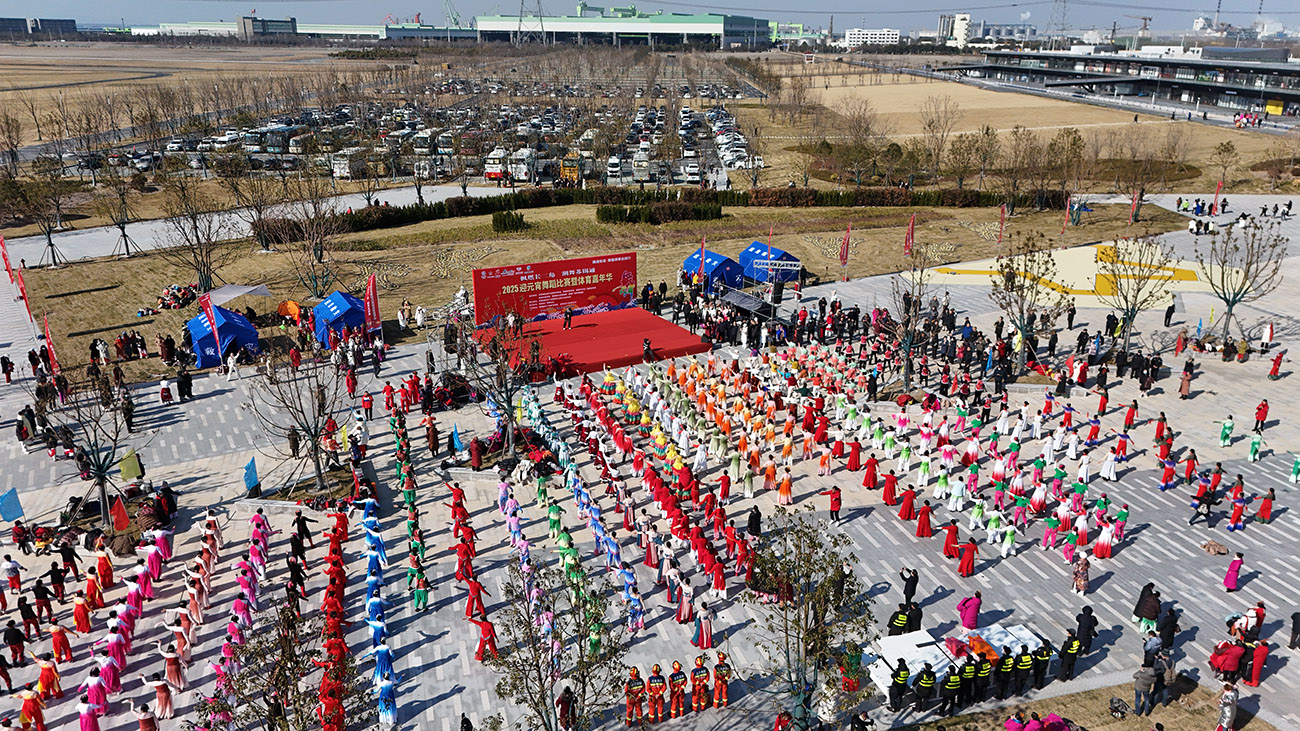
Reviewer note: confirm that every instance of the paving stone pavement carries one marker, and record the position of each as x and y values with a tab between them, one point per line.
202	448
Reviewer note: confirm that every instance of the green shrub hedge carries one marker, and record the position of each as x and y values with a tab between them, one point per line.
508	221
661	206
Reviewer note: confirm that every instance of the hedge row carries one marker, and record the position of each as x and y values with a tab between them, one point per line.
686	199
657	213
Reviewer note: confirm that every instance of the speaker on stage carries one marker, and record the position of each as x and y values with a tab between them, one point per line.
778	291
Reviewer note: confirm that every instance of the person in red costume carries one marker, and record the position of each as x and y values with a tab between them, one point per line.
951	549
966	567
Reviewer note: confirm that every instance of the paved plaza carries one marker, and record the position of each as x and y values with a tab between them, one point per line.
201	447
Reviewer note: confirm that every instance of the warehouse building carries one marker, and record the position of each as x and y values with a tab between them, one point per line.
13	27
632	27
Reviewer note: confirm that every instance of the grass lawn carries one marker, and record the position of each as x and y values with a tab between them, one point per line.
1196	709
427	262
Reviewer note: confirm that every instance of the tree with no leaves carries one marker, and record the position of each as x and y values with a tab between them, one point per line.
909	294
197	230
577	648
1224	159
253	194
1241	264
963	157
1133	275
939	115
825	619
305	229
1025	287
498	369
113	203
1018	158
300	402
11	140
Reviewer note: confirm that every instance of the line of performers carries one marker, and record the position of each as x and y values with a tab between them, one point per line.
651	690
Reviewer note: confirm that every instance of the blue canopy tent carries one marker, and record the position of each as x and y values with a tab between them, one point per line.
334	312
718	269
234	329
754	258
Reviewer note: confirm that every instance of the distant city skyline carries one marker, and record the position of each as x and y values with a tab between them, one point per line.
1095	14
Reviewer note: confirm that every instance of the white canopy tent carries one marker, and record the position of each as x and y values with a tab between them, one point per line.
222	295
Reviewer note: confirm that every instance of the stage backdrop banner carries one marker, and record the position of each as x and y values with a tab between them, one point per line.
544	290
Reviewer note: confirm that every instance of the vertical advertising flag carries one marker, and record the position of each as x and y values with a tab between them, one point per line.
371	302
22	292
700	271
1002	223
1132	208
844	247
1066	222
205	303
5	251
49	345
910	238
1217	191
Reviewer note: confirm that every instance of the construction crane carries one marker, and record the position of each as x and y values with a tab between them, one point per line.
453	17
1145	30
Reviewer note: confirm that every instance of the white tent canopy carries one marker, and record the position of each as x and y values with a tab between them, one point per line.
224	294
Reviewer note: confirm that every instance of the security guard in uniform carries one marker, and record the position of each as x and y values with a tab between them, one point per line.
699	685
898	622
949	690
968	670
676	691
1006	669
1024	664
1069	653
721	674
1042	660
983	674
898	686
655	687
923	687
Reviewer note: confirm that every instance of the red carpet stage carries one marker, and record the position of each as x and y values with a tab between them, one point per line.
610	339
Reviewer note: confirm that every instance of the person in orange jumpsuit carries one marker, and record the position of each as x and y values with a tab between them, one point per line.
699	685
721	674
634	691
655	687
676	691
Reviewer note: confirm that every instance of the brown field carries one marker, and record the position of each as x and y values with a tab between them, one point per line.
1195	708
427	262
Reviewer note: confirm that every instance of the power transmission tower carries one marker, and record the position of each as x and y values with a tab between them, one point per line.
1060	23
530	28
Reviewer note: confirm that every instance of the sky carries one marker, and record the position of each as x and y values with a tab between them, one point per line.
1082	14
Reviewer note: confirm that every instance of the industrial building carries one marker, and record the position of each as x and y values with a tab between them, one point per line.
954	30
1238	80
625	26
1003	31
859	37
13	27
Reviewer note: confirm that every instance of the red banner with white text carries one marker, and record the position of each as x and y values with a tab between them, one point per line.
49	345
22	292
8	268
544	290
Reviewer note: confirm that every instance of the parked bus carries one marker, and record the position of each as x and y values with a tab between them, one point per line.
395	139
446	144
523	164
587	143
422	142
350	163
302	143
494	165
641	167
255	139
277	137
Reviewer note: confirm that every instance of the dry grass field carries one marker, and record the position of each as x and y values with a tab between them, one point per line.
427	262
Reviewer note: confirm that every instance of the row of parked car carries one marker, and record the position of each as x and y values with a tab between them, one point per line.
733	146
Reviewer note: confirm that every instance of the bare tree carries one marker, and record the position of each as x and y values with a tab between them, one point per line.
1224	158
11	140
254	195
1241	264
939	115
30	102
296	405
113	204
1024	287
825	618
559	639
987	151
306	229
40	201
1018	158
1133	275
500	368
963	157
197	230
909	294
1066	151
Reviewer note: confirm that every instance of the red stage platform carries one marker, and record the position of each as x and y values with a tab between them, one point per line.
612	339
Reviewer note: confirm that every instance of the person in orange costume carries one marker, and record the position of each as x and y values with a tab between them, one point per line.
721	674
676	691
634	691
655	687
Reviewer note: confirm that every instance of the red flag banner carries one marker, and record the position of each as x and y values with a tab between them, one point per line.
205	303
1133	208
700	271
1217	191
22	292
373	320
910	239
844	247
1002	223
121	521
1066	222
8	268
49	344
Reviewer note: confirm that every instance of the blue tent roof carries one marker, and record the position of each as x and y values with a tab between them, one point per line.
334	312
234	329
753	257
717	269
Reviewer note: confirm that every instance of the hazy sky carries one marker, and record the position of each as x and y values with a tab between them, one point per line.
873	14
